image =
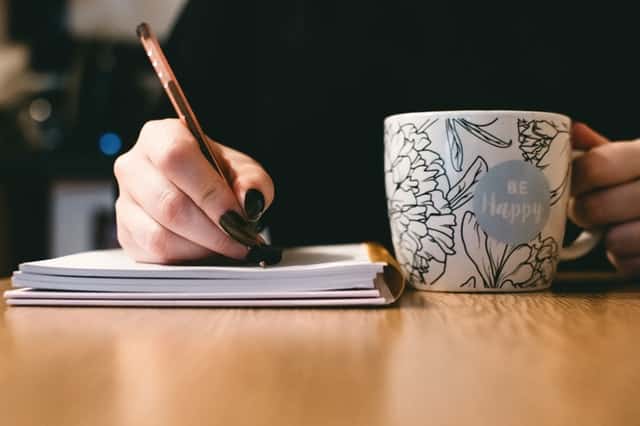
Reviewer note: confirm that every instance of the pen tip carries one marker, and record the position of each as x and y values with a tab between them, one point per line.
269	255
143	30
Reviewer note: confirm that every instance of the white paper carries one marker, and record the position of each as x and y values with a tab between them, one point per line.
378	301
296	263
28	293
180	285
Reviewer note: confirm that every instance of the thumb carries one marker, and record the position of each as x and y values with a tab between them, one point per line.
584	137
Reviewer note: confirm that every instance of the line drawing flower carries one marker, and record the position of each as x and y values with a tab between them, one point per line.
544	259
540	144
475	129
422	201
500	264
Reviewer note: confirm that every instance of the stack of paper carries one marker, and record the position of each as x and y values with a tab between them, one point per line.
307	276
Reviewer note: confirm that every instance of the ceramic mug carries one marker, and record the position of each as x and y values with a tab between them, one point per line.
477	200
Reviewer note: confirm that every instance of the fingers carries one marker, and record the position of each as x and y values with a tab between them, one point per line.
167	205
250	182
623	240
179	159
605	183
608	206
605	166
583	137
170	180
145	240
629	267
623	247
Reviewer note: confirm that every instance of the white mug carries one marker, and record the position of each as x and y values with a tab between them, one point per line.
477	200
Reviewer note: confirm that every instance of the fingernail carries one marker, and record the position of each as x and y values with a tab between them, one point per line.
257	226
238	228
253	204
267	254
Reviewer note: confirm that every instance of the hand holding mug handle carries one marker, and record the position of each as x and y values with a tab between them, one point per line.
587	239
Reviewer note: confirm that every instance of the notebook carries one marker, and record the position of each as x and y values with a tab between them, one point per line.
335	275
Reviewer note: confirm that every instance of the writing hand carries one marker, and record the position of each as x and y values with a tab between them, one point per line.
173	206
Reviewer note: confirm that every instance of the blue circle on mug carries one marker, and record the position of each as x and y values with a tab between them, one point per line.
511	202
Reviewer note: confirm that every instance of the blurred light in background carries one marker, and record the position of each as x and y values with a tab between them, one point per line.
110	143
68	72
117	19
40	110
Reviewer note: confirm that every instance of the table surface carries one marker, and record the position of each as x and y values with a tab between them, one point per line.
568	356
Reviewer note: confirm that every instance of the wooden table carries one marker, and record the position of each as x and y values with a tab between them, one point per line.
567	357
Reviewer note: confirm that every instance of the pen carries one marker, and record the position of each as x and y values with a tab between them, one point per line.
185	113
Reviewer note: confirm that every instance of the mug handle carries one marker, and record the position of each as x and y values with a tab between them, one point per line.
587	240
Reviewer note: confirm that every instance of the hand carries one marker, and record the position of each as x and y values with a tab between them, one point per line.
174	206
606	184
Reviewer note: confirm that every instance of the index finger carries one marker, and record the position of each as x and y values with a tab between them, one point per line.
584	137
605	166
251	184
174	151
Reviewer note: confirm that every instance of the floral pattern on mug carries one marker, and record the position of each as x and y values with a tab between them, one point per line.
539	142
502	265
421	200
423	217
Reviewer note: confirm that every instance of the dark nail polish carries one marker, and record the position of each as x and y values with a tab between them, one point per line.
238	228
253	204
256	227
267	254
